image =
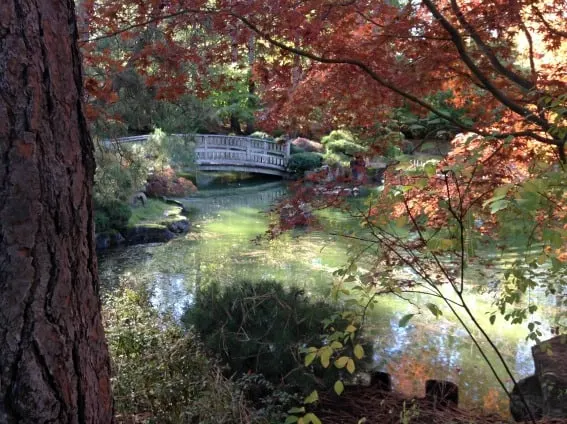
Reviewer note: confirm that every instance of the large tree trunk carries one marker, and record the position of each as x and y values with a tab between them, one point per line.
54	364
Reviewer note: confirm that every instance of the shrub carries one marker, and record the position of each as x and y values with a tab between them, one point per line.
258	327
111	215
167	183
295	150
120	172
345	147
102	222
261	134
301	162
338	135
160	371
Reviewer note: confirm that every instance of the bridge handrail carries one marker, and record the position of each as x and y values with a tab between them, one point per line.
236	150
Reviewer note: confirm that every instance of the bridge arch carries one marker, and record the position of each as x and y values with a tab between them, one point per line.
234	153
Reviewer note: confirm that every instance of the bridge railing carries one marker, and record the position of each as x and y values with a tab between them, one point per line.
223	149
245	150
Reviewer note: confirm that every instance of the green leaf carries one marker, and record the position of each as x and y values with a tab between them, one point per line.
434	309
341	362
313	397
290	419
501	192
553	238
311	418
297	410
350	366
358	351
339	387
401	221
405	319
309	358
499	205
492	319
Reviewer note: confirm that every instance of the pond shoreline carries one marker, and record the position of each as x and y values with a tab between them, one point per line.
150	229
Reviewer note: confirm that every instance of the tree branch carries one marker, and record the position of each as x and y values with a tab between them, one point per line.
144	23
366	69
551	29
487	51
483	78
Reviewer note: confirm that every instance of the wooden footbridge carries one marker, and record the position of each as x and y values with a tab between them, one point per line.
232	153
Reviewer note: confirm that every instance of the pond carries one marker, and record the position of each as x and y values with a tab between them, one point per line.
225	246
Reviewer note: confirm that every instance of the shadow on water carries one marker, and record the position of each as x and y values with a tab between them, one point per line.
222	247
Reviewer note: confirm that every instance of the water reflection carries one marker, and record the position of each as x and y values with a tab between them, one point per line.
222	248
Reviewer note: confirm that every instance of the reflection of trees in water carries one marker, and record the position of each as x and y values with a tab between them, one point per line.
424	351
251	199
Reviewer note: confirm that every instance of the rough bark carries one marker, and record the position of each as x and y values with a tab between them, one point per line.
54	365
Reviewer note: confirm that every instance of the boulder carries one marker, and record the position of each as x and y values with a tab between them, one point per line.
102	241
138	199
308	145
531	390
116	239
550	357
179	227
140	234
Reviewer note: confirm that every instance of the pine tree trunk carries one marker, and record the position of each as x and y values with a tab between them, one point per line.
54	364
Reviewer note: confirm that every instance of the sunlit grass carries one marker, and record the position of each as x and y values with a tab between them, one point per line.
155	211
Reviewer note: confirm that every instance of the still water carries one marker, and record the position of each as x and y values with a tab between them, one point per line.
224	246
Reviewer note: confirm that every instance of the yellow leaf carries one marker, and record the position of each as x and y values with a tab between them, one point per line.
341	362
325	358
313	397
336	345
350	329
350	366
311	418
358	351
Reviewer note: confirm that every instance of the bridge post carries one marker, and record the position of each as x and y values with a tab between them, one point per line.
287	152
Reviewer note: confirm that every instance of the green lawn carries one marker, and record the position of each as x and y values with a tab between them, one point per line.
154	212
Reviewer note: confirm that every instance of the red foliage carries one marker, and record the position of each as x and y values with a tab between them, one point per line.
166	183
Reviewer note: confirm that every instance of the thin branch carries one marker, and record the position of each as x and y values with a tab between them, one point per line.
487	51
550	28
483	78
531	50
144	23
402	37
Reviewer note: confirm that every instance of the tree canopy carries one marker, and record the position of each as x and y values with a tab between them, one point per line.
503	61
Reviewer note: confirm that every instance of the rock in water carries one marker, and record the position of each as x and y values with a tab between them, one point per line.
550	358
531	390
